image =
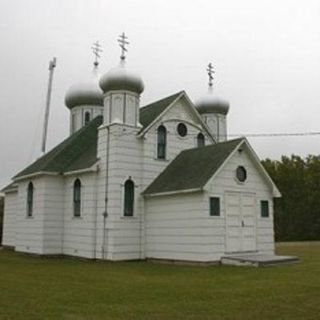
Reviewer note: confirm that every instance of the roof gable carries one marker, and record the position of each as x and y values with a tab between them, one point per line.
254	157
151	111
77	152
192	168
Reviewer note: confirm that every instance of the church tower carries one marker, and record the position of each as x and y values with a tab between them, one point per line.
85	99
214	110
120	151
122	89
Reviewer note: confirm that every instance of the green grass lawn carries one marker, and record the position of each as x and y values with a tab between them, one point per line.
52	288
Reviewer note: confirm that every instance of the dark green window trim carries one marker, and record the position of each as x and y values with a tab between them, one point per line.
200	140
264	206
182	129
30	200
162	142
214	206
77	198
128	198
87	117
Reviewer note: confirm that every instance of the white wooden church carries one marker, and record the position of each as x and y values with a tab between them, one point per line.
154	182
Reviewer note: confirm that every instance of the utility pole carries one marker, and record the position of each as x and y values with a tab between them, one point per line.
52	65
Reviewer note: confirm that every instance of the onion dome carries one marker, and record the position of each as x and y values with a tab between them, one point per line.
86	93
212	104
120	78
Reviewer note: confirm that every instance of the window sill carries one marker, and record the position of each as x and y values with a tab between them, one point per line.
240	183
128	217
163	160
182	138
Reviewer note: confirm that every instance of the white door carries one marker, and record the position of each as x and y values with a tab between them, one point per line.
240	222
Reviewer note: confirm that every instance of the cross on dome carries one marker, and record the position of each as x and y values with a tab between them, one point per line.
211	72
123	43
96	49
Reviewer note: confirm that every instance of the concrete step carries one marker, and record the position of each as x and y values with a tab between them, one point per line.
258	260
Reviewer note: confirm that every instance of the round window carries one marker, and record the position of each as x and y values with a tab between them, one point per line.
182	129
241	174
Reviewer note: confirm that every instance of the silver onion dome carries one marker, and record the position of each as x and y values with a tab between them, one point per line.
86	93
212	104
120	78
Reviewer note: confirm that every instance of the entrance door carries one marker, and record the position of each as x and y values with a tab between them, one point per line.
240	222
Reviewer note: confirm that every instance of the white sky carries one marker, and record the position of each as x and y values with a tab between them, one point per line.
266	56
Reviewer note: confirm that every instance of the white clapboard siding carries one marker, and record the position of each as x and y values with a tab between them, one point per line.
9	219
29	230
79	233
124	162
177	230
256	185
180	112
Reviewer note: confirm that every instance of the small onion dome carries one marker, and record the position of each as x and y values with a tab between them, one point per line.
120	78
84	94
212	104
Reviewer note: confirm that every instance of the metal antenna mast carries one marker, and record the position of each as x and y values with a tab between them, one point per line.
52	65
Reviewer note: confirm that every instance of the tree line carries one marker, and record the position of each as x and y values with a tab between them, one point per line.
297	213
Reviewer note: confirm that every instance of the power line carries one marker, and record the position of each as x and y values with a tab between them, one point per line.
249	135
272	134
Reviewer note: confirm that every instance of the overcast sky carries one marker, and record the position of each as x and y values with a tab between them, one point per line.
266	56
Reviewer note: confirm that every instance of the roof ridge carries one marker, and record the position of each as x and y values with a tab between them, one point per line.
59	148
161	100
152	111
192	168
53	155
213	145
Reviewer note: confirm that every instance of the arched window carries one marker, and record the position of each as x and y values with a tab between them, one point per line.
77	198
128	198
73	123
200	140
86	117
30	200
162	142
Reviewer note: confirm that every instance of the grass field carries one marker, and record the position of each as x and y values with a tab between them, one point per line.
52	288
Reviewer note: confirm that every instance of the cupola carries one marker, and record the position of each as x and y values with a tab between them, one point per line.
120	78
122	89
212	104
214	110
84	94
85	98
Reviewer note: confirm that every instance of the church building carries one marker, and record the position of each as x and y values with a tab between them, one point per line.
159	181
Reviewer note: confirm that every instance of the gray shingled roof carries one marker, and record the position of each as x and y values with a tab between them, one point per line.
79	151
151	111
192	168
10	187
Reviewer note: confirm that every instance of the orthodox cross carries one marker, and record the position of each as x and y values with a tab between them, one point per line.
210	74
96	49
123	43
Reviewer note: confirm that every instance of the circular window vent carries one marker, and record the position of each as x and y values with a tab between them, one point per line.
182	129
241	174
